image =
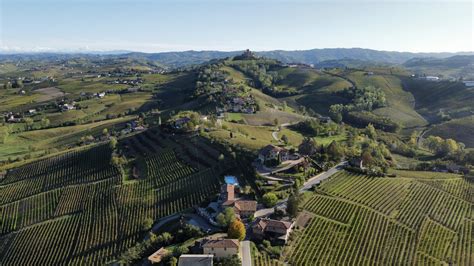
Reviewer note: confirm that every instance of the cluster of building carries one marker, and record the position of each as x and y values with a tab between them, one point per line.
136	81
233	99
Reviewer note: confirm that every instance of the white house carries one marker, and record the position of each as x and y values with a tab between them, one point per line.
469	83
432	78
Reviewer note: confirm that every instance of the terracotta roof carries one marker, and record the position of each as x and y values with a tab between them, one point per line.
221	243
246	205
230	192
158	255
275	223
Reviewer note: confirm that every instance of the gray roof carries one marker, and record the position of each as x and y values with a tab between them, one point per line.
195	260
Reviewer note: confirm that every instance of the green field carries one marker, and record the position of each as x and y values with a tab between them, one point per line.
416	218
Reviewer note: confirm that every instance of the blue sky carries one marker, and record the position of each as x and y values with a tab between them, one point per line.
155	26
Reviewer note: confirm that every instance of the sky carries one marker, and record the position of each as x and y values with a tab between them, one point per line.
227	25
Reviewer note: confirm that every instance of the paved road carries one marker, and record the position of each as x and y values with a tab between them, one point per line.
322	176
306	186
246	256
263	170
267	211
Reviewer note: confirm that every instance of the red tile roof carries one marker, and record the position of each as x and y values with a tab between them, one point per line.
221	243
246	205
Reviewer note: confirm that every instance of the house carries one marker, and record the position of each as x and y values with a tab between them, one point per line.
278	231
469	83
356	162
100	94
179	123
432	78
67	106
325	119
221	248
272	152
158	256
32	111
245	208
228	194
195	260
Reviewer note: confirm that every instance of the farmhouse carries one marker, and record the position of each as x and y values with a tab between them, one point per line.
278	231
221	248
432	78
357	163
273	153
245	208
195	260
67	107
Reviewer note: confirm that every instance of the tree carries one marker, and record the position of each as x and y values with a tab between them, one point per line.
370	131
335	112
105	132
292	204
233	260
165	238
367	158
173	261
335	151
284	138
44	122
269	199
307	147
275	121
147	224
29	122
221	157
113	143
226	217
236	230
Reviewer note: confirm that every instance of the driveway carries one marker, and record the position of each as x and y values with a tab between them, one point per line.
322	176
246	256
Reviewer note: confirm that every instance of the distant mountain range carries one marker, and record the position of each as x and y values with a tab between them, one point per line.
321	57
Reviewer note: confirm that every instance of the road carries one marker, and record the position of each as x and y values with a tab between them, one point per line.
246	256
421	137
306	186
275	133
322	176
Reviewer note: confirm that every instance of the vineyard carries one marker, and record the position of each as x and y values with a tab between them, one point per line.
76	208
357	220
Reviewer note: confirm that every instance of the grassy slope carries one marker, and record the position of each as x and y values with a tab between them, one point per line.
459	129
452	97
400	103
315	88
19	144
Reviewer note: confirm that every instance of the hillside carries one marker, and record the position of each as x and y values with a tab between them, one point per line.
454	67
186	58
43	205
412	219
452	98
